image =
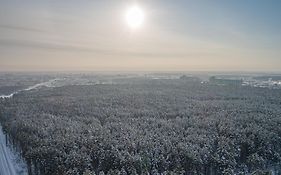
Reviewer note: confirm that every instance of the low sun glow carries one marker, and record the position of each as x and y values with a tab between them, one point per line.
134	17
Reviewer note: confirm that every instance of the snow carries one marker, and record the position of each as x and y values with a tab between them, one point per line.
7	96
47	84
10	162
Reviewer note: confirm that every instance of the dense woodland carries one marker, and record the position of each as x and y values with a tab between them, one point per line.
146	127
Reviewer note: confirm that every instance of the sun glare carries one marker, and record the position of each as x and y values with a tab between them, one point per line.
134	17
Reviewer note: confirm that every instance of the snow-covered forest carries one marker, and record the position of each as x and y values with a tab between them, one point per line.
146	126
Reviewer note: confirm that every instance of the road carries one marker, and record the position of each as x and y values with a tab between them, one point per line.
6	157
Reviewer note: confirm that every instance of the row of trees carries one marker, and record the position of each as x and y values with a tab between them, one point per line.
146	127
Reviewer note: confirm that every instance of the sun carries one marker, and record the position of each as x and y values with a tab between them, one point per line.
134	17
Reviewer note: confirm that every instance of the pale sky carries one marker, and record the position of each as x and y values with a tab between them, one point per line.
176	35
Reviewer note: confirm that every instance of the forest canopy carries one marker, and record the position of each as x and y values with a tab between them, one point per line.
145	126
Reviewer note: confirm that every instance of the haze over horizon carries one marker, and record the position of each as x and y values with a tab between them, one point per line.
186	35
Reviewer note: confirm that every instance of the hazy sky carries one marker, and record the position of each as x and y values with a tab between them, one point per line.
177	35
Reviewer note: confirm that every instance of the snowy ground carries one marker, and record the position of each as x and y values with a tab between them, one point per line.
46	84
10	162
